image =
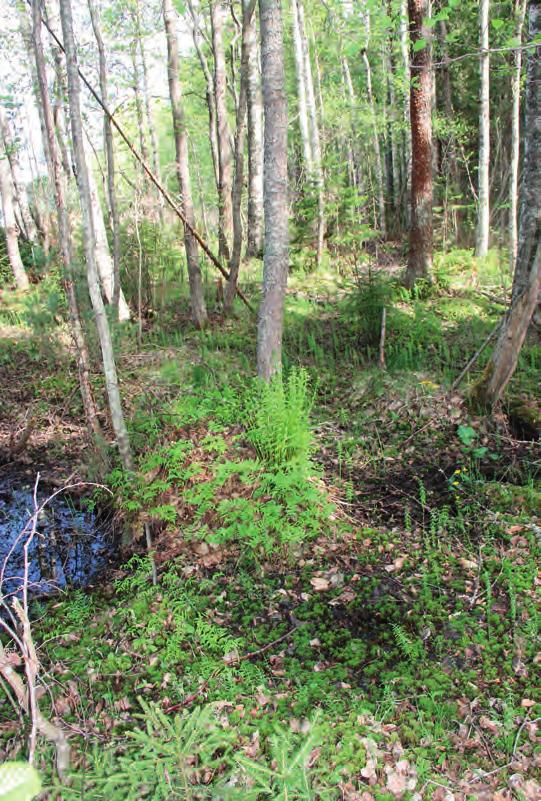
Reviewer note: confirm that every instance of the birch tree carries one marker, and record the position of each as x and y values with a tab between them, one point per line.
102	324
520	13
483	192
276	254
21	198
109	152
225	156
420	238
527	279
11	229
197	298
64	233
254	243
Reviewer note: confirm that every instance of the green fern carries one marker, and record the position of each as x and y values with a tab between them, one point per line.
278	419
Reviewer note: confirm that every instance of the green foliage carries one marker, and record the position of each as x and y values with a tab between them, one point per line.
278	420
285	775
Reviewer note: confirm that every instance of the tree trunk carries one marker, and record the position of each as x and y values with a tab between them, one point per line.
254	244
109	153
315	143
527	280
234	263
102	254
405	51
211	102
520	13
483	192
64	234
197	298
143	147
380	184
275	263
300	71
420	239
224	134
10	225
28	224
530	193
102	324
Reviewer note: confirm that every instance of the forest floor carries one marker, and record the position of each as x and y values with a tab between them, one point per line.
362	627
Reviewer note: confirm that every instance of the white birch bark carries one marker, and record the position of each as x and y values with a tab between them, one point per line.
520	13
10	225
254	243
102	324
483	194
104	261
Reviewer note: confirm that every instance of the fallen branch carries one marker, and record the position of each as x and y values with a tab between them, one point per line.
475	356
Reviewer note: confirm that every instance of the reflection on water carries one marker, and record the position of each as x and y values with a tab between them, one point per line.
68	548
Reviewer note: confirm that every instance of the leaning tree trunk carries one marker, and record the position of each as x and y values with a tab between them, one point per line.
64	234
275	263
520	13
197	298
102	324
420	240
11	229
109	153
483	192
224	136
254	243
527	280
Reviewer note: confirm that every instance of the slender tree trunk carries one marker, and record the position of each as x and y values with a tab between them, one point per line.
302	103
109	153
209	83
315	143
483	199
10	225
139	115
102	254
380	183
64	234
420	239
224	134
240	129
197	298
405	51
29	226
527	280
254	244
520	13
148	107
102	324
275	263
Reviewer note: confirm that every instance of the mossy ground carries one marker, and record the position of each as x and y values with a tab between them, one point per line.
393	586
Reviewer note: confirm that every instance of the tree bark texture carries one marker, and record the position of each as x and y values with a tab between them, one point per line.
420	239
254	243
225	156
483	191
275	263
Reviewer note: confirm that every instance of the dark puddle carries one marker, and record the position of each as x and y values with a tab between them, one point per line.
70	546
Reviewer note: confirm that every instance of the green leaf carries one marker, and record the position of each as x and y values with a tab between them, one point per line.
497	24
466	434
420	44
19	781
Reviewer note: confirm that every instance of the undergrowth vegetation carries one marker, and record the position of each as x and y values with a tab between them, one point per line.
347	597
